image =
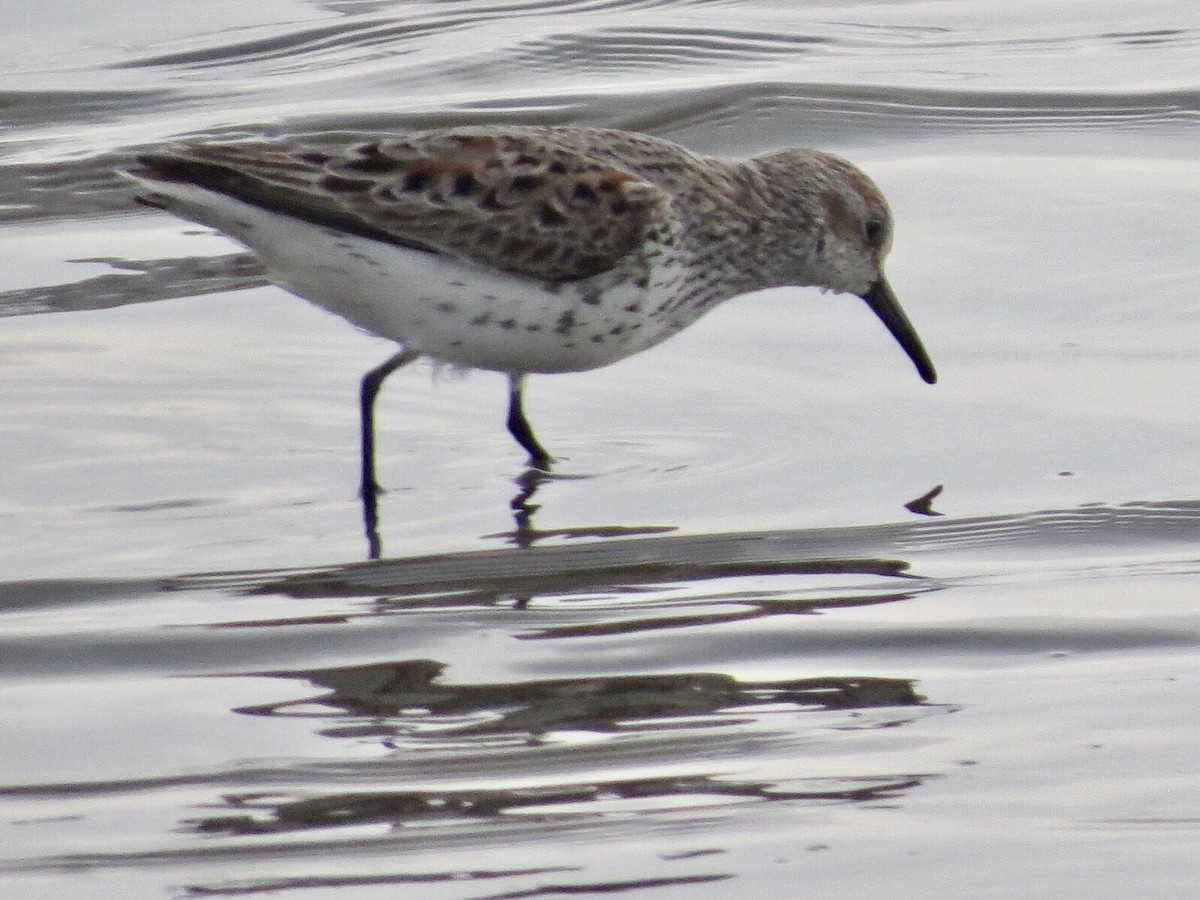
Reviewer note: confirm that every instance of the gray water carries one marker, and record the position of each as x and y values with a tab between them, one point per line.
717	654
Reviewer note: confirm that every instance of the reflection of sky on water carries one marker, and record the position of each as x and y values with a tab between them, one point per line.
696	659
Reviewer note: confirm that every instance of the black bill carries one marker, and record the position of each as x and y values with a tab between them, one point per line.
881	299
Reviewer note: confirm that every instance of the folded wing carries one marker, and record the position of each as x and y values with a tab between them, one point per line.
519	203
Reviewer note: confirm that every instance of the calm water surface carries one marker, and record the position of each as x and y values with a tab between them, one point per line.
717	654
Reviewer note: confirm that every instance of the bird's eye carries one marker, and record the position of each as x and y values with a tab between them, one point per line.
873	231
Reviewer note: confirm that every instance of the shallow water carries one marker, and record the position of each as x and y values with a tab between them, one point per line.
716	653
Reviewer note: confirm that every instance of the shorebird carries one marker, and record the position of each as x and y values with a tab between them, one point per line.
531	249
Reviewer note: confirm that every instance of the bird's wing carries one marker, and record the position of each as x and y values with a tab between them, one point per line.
517	202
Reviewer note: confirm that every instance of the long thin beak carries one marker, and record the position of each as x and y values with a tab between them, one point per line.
885	305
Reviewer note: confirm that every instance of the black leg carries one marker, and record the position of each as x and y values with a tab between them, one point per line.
518	425
371	384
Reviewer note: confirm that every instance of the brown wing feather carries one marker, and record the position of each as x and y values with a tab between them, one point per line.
516	202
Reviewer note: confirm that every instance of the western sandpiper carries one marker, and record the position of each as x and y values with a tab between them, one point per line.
530	249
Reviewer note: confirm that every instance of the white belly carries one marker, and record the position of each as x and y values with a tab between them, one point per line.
452	310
